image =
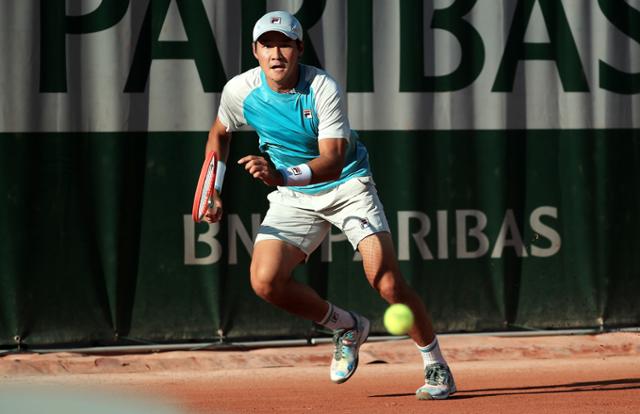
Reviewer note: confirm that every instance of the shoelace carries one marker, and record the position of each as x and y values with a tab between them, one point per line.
338	338
437	374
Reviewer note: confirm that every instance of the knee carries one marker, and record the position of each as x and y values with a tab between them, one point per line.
393	289
264	285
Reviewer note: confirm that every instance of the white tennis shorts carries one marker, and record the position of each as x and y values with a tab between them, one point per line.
304	220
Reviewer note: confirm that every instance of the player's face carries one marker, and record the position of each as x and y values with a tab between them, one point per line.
278	57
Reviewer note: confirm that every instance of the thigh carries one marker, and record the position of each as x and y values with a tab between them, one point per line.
289	220
274	260
357	210
379	259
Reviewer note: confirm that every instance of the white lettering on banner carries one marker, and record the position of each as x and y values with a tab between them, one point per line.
418	237
237	229
443	246
547	232
100	74
208	238
475	232
510	226
471	238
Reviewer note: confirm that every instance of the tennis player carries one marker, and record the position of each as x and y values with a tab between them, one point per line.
322	178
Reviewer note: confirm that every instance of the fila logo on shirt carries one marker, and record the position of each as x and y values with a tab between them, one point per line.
295	170
307	113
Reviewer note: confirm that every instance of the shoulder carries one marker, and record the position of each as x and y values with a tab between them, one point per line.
320	81
244	83
234	97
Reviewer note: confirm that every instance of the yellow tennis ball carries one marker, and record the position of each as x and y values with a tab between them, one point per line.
398	319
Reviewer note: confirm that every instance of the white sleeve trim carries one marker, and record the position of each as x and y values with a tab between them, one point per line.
231	109
330	107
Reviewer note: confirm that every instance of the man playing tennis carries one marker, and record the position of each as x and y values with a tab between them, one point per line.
323	178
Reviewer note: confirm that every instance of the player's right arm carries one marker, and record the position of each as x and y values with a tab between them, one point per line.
219	141
230	118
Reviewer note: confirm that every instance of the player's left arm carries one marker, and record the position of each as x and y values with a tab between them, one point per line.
329	164
333	130
326	166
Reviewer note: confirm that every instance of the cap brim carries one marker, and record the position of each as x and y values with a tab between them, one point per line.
290	35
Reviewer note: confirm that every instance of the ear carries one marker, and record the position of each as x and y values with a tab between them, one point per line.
254	47
300	45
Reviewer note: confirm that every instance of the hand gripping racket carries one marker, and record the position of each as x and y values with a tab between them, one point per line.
204	191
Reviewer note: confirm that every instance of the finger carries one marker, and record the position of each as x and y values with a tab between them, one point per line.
254	161
214	211
218	214
249	166
212	217
246	159
256	167
215	214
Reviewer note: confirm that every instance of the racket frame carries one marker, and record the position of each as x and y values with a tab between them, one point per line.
202	200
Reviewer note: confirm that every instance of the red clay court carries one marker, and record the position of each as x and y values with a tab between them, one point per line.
495	374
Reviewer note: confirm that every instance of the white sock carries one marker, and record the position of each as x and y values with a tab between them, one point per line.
337	318
431	354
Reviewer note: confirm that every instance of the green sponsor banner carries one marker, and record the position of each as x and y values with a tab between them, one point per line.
503	136
494	229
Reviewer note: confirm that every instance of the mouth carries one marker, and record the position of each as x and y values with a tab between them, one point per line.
278	66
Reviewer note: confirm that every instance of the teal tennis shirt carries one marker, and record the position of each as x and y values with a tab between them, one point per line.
289	125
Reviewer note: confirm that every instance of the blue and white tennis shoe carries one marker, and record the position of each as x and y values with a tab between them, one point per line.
438	383
347	344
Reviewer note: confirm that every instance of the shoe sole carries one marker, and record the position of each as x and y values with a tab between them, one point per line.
365	334
424	396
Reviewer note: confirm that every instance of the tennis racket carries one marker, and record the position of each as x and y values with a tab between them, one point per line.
204	191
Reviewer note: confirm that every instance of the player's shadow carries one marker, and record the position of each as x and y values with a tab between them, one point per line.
588	386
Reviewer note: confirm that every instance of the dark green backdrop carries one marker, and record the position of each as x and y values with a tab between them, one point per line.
93	236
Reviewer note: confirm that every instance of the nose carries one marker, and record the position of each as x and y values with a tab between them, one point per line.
276	52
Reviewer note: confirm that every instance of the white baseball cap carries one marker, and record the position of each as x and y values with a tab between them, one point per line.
278	21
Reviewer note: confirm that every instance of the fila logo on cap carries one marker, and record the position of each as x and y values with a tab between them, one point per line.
279	21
